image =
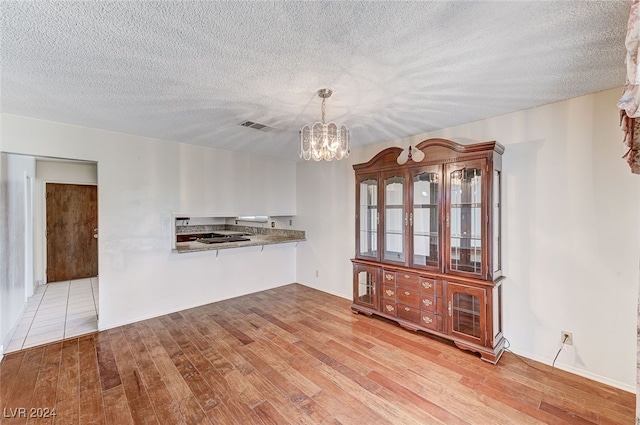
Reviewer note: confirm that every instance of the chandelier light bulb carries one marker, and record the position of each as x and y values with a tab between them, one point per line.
411	153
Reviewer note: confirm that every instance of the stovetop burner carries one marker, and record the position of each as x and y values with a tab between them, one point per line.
223	239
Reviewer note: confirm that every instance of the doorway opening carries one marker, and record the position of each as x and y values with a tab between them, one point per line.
68	307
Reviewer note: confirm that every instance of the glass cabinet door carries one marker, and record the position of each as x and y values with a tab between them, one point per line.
464	217
364	291
367	218
424	218
465	308
395	218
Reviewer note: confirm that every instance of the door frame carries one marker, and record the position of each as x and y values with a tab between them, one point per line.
44	222
29	236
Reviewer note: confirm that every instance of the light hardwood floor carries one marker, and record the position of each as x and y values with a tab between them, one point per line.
291	355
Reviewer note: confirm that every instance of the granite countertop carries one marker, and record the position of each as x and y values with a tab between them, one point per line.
258	237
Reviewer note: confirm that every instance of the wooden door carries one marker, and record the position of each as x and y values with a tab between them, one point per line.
72	223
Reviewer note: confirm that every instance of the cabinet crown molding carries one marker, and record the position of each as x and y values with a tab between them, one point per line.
436	150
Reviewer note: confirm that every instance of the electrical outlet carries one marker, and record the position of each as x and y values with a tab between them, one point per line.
566	337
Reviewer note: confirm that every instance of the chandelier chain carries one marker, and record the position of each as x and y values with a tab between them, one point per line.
323	110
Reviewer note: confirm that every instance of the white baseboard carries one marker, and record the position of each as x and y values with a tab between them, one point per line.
9	336
580	372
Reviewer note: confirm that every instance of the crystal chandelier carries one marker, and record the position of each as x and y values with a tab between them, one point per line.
324	141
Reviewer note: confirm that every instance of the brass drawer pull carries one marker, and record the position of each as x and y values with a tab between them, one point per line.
427	319
407	309
407	293
406	276
427	285
389	292
427	302
389	307
389	276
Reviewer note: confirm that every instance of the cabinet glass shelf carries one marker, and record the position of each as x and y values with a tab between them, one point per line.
466	204
432	234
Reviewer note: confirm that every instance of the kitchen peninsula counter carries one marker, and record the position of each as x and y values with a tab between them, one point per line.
257	236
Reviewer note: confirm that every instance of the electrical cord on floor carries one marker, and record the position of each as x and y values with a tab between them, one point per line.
530	365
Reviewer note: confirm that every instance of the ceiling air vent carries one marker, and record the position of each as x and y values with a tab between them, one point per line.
255	125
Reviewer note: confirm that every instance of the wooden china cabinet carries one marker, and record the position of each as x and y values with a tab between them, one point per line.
428	252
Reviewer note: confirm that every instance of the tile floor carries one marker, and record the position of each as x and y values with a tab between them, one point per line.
57	311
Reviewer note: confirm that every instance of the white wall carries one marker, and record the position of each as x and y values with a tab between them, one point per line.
142	183
66	171
13	271
571	232
49	171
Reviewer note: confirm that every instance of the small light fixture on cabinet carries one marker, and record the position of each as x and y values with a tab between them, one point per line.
324	141
416	155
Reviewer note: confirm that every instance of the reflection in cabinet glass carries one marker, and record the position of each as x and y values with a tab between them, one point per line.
426	196
368	206
465	314
394	219
366	287
466	220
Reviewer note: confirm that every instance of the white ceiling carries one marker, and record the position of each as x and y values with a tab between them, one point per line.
192	71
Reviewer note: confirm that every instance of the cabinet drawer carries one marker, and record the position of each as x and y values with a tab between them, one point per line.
389	307
431	321
409	313
388	277
389	292
408	297
427	286
408	280
430	303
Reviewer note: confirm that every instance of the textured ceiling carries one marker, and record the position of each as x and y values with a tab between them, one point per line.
192	71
